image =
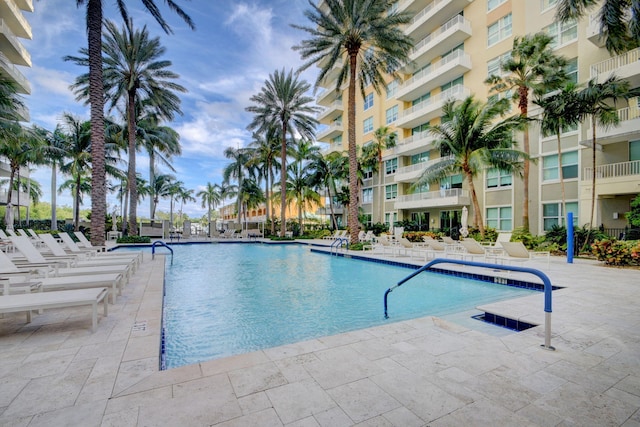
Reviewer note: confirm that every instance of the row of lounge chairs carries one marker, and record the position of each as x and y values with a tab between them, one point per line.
48	275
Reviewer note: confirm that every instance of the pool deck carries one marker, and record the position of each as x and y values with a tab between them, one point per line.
449	371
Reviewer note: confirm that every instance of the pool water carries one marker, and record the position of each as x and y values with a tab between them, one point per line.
228	299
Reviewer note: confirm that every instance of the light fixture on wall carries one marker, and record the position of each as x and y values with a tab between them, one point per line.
615	215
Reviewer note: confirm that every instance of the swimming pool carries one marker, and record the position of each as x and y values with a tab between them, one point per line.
228	299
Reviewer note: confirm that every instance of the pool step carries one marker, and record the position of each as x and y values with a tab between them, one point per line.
504	322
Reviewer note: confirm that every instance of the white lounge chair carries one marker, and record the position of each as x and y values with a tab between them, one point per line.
517	251
137	256
473	249
46	300
85	243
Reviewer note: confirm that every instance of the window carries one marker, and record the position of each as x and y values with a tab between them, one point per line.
498	178
634	150
552	214
391	218
423	98
548	4
572	70
390	191
453	181
368	101
420	157
392	114
500	218
569	166
494	66
367	195
452	84
367	172
420	128
337	140
392	88
492	4
368	125
390	166
562	33
499	30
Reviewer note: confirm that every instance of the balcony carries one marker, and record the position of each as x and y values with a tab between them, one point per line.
411	173
616	178
337	210
442	40
628	129
333	111
450	198
13	17
331	147
415	144
430	108
11	71
26	5
594	35
412	6
625	66
11	46
429	18
448	68
24	198
332	131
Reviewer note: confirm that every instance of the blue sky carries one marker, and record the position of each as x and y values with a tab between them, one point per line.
222	63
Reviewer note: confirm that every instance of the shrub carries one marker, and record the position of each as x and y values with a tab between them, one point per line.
417	236
358	246
617	252
378	228
529	240
134	239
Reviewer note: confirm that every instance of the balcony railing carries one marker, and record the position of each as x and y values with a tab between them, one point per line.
458	55
22	57
456	20
434	195
613	170
421	166
612	64
454	92
12	70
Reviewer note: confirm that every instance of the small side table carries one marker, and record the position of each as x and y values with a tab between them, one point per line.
114	235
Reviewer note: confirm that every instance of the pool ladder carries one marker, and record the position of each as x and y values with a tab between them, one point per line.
160	243
338	243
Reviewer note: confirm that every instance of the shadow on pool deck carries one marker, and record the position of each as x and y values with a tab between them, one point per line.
430	370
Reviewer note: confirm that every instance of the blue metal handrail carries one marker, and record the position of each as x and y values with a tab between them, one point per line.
160	243
545	280
338	244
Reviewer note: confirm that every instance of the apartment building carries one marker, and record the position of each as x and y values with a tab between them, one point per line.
458	44
13	55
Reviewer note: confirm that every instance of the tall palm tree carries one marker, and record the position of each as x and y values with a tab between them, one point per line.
55	154
532	66
251	196
210	197
133	71
283	102
174	192
96	100
384	139
595	102
265	151
369	34
161	190
184	196
560	111
470	132
236	170
327	171
618	20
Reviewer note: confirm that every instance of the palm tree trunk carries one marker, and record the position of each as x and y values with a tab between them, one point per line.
76	207
152	183
334	223
561	176
54	217
380	193
9	191
283	180
96	99
131	175
524	111
270	203
477	215
209	218
593	172
124	212
354	227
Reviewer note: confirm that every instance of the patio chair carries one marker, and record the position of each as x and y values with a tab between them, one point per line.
93	255
85	243
473	249
517	251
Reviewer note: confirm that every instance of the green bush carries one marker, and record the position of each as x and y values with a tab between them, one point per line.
417	236
529	240
378	228
617	252
134	239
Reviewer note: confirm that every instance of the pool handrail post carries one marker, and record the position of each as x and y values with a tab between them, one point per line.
160	243
548	288
570	241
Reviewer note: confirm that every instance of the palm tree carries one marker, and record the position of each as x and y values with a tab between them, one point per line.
594	101
618	20
161	189
282	102
560	111
133	71
327	171
236	170
264	153
470	132
251	196
174	192
533	66
384	139
10	103
96	100
210	197
55	154
184	196
370	35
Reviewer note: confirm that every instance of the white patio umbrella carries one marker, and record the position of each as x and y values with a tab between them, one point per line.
114	219
9	217
464	218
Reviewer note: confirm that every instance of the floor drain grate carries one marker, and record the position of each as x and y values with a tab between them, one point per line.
140	325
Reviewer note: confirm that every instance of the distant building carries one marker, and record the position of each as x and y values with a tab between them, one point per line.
458	44
13	27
